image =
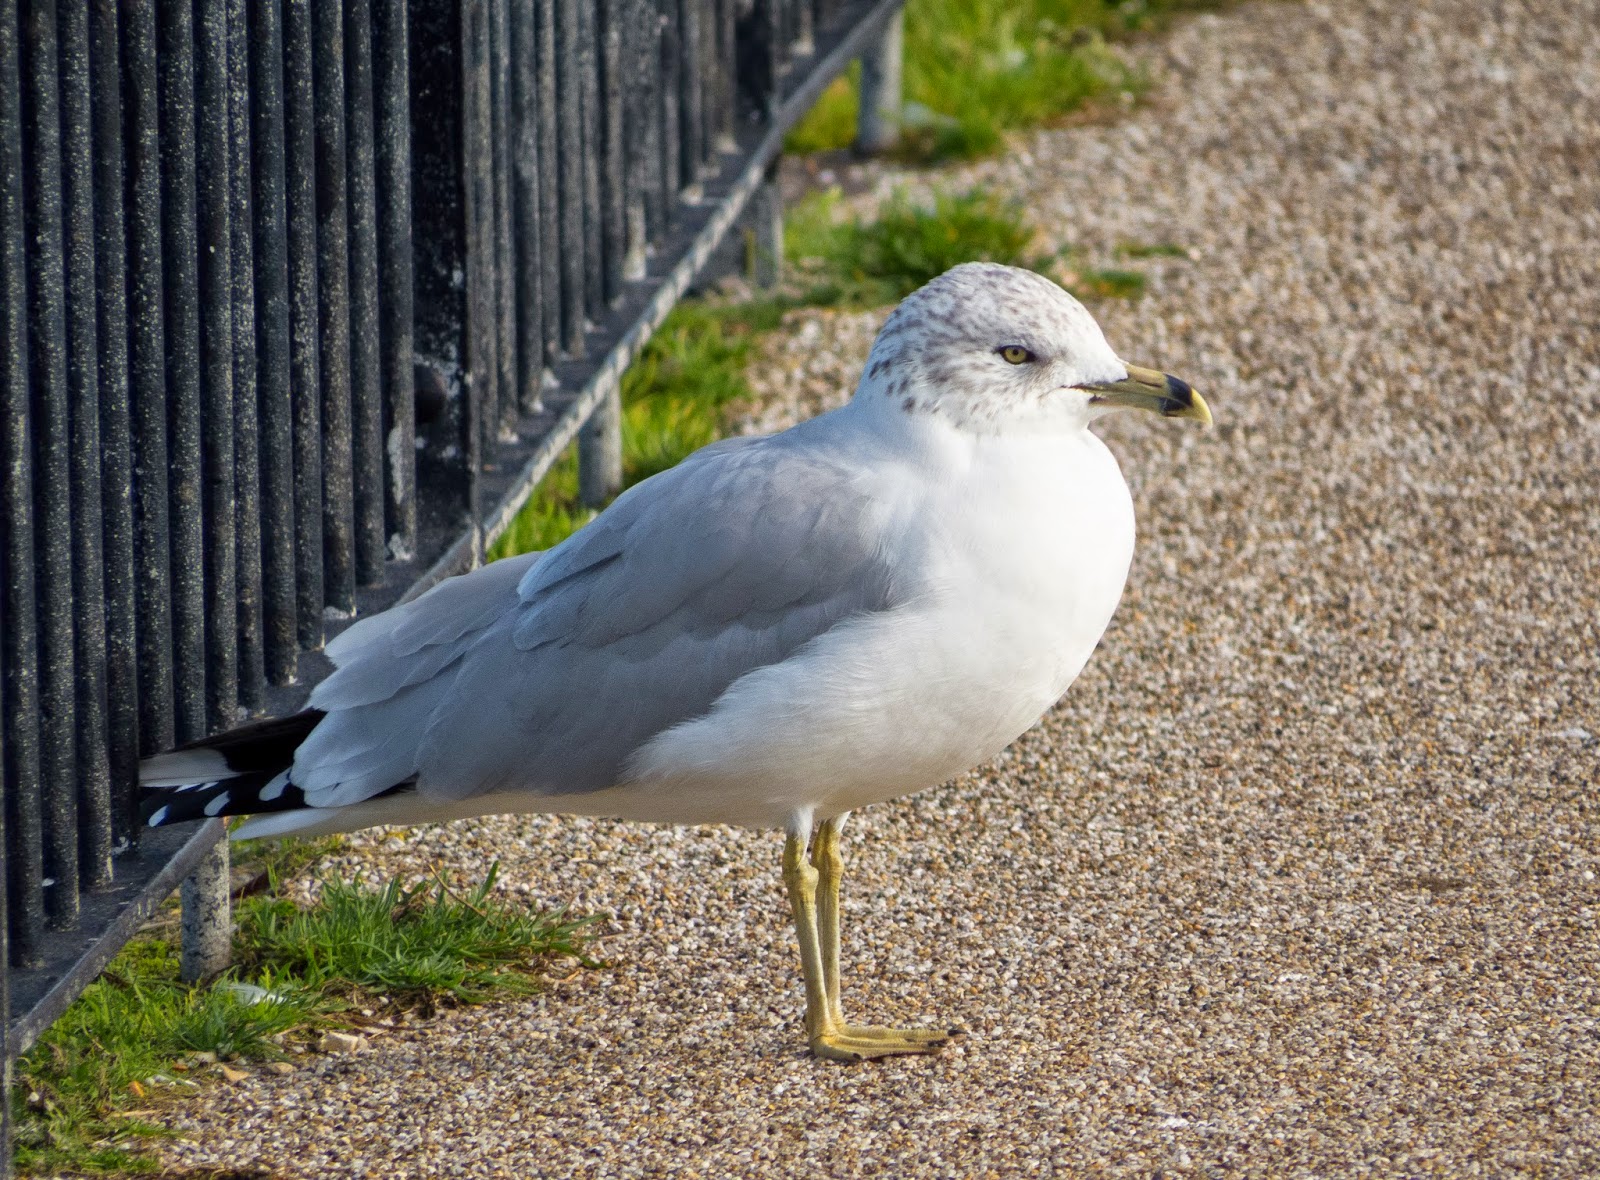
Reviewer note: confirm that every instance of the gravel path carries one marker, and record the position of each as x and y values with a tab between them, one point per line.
1300	880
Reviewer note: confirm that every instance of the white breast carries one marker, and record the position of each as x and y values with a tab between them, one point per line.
1015	559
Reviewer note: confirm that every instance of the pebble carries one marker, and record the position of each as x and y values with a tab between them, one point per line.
341	1042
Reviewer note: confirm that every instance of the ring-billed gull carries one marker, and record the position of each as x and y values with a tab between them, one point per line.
773	633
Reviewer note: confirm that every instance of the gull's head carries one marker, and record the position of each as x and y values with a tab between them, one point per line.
993	347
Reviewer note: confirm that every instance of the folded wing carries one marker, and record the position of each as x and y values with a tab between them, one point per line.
544	673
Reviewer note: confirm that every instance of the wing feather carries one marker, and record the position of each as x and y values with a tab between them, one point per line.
546	676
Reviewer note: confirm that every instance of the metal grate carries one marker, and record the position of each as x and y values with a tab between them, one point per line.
236	237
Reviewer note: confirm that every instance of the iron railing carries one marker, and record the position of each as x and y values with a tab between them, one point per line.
299	300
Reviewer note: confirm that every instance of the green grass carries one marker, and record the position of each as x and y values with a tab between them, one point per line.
406	947
120	1051
866	264
977	68
138	1037
1151	250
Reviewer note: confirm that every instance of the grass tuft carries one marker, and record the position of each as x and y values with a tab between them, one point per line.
138	1036
909	244
410	946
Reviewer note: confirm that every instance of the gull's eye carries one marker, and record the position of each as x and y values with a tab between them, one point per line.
1015	354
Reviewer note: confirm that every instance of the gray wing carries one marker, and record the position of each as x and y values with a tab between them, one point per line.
545	672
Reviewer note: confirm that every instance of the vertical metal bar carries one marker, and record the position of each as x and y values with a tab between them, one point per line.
366	392
480	179
395	274
569	161
525	171
305	381
805	27
600	452
19	655
147	368
589	104
279	529
640	155
501	140
207	930
728	89
613	181
175	69
550	239
878	124
670	94
710	84
692	95
83	384
252	696
52	441
765	261
655	191
214	246
477	184
441	249
760	54
116	440
333	311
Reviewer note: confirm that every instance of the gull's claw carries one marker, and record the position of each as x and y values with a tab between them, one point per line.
856	1042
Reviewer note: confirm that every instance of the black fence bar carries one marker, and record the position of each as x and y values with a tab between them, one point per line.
116	437
247	508
83	382
366	392
551	242
392	100
333	310
305	382
214	247
47	348
296	302
270	248
569	163
589	105
502	138
528	286
175	71
670	94
612	181
18	617
147	373
691	95
637	102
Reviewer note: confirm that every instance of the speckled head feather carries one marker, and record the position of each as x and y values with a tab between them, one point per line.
944	351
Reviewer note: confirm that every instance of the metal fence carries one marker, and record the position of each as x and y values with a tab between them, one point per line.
299	300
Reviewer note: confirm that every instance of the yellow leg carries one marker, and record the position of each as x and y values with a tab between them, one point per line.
814	896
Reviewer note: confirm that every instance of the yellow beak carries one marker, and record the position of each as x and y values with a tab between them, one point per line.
1161	393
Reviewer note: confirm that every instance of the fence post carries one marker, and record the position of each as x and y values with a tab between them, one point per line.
600	451
878	124
764	243
207	917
